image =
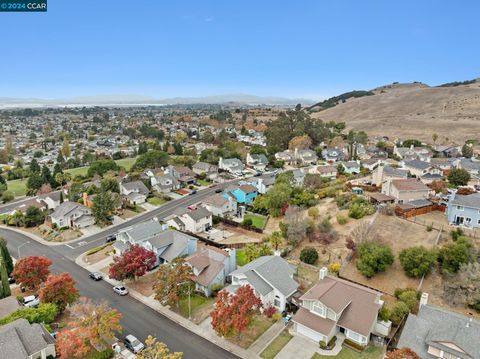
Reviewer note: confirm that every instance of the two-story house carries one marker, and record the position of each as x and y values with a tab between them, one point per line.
164	183
211	266
420	168
232	165
407	190
183	174
464	210
336	307
134	192
257	161
382	176
271	277
436	333
72	215
53	199
351	167
196	220
327	172
221	206
202	168
244	194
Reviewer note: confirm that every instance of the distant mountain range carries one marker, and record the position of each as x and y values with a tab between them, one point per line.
7	102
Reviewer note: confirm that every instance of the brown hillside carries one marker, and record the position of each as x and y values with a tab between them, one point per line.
413	111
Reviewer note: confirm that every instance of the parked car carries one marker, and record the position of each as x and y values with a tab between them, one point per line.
31	301
96	276
193	192
120	290
133	344
111	238
218	190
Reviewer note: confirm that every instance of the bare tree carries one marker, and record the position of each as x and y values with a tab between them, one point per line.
297	224
464	287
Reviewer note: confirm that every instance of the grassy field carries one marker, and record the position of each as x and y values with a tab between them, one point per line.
127	163
258	325
18	187
370	352
258	221
278	343
156	201
203	182
241	257
79	171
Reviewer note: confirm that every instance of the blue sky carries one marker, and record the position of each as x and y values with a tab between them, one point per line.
166	48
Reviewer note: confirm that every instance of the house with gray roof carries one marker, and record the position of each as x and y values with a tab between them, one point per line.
164	183
464	210
166	243
195	220
383	175
72	215
271	277
257	161
210	171
232	165
439	333
22	340
134	192
221	206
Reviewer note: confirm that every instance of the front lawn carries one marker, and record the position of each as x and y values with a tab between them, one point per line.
257	221
156	201
277	345
79	171
203	182
127	163
370	352
18	187
200	307
241	257
258	325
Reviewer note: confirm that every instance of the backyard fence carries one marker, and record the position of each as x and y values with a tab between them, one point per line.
233	223
412	212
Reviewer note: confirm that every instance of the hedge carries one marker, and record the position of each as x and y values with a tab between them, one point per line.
44	313
105	354
97	249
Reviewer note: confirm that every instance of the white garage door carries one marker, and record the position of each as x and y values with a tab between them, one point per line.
309	333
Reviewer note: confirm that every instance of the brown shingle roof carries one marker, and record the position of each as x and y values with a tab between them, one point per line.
313	321
248	188
357	304
409	184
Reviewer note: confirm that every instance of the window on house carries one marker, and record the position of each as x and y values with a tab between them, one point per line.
459	208
468	220
318	309
276	301
449	356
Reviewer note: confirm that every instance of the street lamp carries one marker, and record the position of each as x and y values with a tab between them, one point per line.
20	246
189	301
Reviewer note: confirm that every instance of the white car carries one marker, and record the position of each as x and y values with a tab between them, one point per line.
120	290
133	344
31	301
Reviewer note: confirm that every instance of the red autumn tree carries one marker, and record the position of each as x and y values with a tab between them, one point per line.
173	282
234	312
405	353
133	263
31	271
60	290
71	343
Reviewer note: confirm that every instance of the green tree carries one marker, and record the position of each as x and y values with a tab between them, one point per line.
142	148
34	183
76	191
101	167
5	255
309	255
110	184
467	150
417	261
458	177
4	285
453	255
33	217
151	159
104	203
398	311
373	258
3	185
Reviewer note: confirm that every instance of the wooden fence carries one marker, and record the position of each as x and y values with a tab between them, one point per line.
412	212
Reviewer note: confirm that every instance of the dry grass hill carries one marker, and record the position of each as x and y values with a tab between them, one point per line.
412	111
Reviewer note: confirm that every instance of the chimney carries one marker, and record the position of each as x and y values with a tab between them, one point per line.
323	272
424	299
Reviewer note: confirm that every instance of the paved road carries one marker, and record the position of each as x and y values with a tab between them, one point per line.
138	319
8	207
73	249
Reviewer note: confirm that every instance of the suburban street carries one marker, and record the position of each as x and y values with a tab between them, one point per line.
137	319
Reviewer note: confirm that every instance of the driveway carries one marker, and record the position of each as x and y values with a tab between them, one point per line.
298	347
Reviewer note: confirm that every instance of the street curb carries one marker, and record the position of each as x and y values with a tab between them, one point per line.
33	237
176	318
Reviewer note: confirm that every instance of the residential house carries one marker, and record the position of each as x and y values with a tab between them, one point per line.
336	307
439	333
351	167
264	182
164	183
21	340
333	154
450	150
210	171
382	176
471	165
8	305
244	194
183	174
298	177
52	200
285	156
420	168
167	244
257	161
413	153
25	205
232	165
73	215
371	163
327	172
464	210
221	206
271	277
211	266
407	190
196	220
306	157
134	192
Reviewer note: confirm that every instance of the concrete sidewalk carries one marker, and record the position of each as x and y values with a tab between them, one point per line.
34	237
177	318
266	338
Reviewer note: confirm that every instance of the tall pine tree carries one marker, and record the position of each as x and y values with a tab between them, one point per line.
5	254
4	285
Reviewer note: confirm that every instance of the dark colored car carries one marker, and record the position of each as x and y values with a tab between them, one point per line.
96	276
193	192
111	238
218	190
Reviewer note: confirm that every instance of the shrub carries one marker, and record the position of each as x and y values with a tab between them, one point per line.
217	287
334	267
384	313
323	344
341	219
429	228
96	249
456	233
269	311
352	344
373	258
277	316
410	298
105	354
398	311
247	222
309	255
453	255
417	261
44	313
